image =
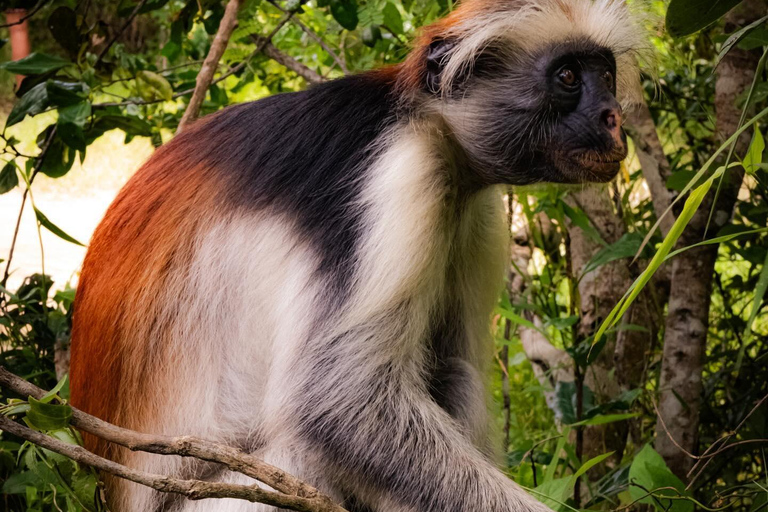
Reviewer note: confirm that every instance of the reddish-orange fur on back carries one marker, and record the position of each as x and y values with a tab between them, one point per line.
112	353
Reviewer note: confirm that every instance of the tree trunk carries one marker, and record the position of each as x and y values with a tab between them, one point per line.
691	277
19	36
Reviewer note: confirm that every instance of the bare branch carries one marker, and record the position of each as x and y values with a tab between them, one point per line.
192	489
35	171
319	40
117	34
185	446
205	76
286	60
39	5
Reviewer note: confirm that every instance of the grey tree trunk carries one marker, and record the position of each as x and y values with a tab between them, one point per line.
687	322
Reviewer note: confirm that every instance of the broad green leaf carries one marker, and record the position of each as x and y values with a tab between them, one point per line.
370	35
392	18
63	26
590	464
649	471
45	416
754	153
32	103
63	94
685	17
35	64
580	219
757	301
53	228
153	86
53	392
736	37
71	121
565	401
549	476
345	12
553	493
517	319
625	247
8	177
59	159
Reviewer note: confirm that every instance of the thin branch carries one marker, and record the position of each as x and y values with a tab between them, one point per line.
192	489
39	5
185	446
205	76
38	166
319	40
289	62
117	34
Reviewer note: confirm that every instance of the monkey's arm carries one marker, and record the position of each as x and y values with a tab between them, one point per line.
379	427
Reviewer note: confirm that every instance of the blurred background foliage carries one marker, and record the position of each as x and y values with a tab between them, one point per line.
107	82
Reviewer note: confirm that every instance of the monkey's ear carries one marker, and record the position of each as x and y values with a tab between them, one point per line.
436	59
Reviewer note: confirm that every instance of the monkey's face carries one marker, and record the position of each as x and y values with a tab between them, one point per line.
549	117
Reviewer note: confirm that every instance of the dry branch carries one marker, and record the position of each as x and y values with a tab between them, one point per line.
286	60
293	493
205	76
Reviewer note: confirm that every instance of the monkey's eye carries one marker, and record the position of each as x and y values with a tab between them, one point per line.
608	79
567	77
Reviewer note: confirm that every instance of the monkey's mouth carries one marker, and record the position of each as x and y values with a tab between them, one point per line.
590	165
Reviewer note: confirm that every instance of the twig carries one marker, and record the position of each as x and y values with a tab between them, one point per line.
205	76
39	5
319	40
192	489
38	166
185	446
117	34
289	62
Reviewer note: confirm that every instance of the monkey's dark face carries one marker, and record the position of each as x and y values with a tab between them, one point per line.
584	140
551	117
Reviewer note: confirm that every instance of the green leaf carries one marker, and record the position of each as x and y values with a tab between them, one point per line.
649	473
63	26
553	493
754	153
371	35
736	37
45	416
602	419
685	17
63	94
625	247
35	64
580	220
53	228
590	464
8	177
565	401
345	12
59	159
32	103
71	121
46	398
757	301
517	319
153	86
690	207
392	18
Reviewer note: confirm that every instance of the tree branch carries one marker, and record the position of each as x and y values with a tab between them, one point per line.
205	76
286	60
296	494
117	34
39	5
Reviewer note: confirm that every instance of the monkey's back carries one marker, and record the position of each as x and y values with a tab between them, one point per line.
199	232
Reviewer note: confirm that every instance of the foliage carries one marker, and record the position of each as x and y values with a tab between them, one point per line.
87	78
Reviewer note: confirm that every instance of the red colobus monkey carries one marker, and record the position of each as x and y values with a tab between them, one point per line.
309	277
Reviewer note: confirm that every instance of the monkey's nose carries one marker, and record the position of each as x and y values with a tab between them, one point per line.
611	119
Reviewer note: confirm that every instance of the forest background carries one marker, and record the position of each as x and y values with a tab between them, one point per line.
631	369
